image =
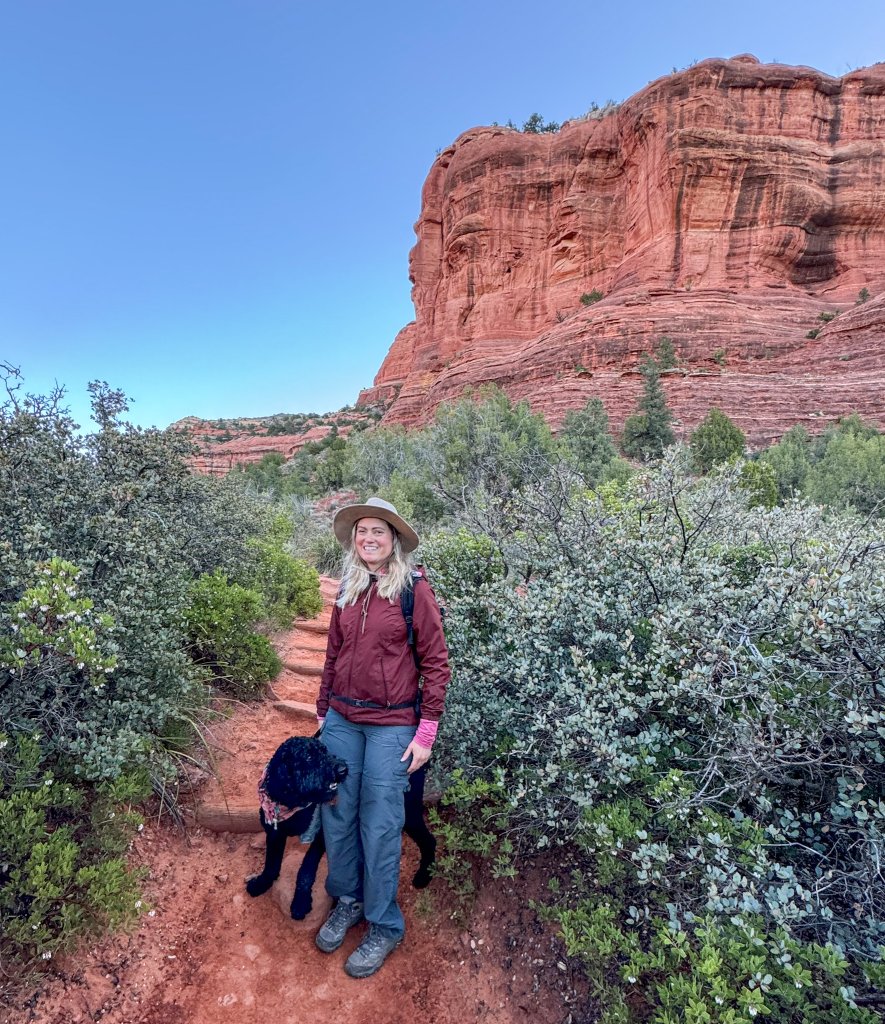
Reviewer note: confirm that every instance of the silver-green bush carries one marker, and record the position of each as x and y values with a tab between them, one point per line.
689	692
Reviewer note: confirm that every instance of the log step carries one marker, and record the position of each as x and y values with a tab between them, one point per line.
313	626
297	707
244	820
229	818
303	668
310	643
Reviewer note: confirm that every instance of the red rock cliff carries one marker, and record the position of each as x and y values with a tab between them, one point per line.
726	206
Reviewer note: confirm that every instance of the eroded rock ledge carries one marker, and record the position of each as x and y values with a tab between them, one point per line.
726	206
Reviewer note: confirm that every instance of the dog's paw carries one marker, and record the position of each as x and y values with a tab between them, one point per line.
423	877
302	904
424	874
258	884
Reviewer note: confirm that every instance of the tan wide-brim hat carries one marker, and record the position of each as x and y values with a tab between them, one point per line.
376	508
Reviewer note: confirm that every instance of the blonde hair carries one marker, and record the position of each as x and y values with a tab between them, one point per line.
355	573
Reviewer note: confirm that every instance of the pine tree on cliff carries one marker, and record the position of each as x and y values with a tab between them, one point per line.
647	432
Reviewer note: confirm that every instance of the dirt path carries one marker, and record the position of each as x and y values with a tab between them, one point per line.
206	952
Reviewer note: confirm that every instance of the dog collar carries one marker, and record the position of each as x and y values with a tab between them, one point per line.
274	813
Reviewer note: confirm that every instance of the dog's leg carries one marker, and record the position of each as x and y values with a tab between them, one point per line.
416	828
275	847
302	899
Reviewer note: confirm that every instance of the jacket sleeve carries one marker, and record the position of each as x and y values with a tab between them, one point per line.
430	643
333	646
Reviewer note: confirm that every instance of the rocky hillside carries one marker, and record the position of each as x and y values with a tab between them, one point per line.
227	443
733	207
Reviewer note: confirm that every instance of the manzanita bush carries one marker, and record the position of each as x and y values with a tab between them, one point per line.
686	694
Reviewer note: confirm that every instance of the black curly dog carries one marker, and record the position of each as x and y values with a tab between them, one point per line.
302	773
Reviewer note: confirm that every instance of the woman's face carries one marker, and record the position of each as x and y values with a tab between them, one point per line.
374	542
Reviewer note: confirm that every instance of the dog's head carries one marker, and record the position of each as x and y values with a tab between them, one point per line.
302	772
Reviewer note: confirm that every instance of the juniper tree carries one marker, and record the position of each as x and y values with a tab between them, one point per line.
716	440
586	438
647	432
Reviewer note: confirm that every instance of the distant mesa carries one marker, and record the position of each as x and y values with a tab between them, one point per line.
226	443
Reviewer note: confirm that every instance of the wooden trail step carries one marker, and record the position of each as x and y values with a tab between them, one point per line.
312	626
244	819
297	707
229	818
310	643
303	668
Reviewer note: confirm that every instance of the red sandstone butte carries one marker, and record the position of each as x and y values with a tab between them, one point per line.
725	206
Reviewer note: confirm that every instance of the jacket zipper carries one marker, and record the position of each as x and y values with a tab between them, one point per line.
359	634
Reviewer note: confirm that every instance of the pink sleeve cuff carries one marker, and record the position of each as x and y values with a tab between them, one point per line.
426	733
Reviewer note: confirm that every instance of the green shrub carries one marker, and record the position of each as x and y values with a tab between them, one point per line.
266	474
59	880
849	468
843	468
462	563
710	970
684	692
101	535
123	506
415	500
379	454
471	828
324	552
665	354
789	461
219	620
758	480
484	446
290	587
590	298
588	443
716	440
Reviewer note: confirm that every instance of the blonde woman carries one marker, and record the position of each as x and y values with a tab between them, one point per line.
374	716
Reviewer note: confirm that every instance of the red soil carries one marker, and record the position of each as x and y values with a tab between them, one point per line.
205	952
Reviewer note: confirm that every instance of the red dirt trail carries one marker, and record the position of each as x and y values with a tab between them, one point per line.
205	952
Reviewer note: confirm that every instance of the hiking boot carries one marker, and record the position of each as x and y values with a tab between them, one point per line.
371	953
345	914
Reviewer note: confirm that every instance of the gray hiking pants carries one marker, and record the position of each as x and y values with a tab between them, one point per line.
363	828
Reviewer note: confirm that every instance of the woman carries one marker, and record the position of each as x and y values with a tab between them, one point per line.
374	716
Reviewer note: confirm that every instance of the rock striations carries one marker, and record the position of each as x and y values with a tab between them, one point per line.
726	206
221	445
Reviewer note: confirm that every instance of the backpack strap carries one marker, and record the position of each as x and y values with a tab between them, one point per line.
407	604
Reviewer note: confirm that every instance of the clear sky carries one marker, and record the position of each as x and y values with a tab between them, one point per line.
209	203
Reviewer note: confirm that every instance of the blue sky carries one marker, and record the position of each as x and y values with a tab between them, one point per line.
209	203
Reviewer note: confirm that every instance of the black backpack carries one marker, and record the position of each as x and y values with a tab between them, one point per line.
407	604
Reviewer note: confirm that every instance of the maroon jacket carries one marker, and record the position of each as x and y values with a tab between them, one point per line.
372	660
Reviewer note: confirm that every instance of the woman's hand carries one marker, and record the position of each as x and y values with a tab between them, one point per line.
419	755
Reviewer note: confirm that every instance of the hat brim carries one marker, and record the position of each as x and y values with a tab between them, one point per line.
350	514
